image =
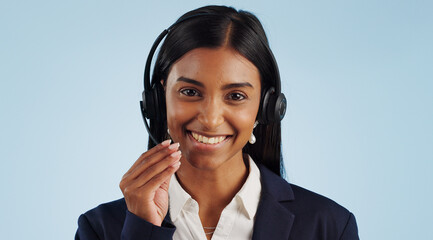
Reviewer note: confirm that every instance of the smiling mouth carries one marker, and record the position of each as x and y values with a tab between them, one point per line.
208	140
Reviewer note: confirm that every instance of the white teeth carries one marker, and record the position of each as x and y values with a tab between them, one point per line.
207	140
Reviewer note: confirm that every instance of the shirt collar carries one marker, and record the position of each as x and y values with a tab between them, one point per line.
248	195
177	198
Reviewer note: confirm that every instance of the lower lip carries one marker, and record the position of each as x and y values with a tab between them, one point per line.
207	147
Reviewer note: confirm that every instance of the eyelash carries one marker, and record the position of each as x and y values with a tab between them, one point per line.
184	92
235	96
240	95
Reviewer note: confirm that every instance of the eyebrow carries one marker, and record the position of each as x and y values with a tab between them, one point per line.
189	80
237	85
225	87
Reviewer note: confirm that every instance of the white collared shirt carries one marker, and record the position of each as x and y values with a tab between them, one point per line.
236	220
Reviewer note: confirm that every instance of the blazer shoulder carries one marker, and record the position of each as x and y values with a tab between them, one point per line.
112	221
298	197
109	210
315	216
324	214
317	202
105	220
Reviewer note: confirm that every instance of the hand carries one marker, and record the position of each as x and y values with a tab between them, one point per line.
145	184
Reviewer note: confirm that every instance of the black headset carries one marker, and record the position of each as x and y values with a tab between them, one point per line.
273	102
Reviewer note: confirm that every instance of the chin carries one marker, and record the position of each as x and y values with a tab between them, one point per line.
204	163
210	161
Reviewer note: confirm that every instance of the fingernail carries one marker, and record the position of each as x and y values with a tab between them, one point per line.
174	146
176	164
175	154
166	143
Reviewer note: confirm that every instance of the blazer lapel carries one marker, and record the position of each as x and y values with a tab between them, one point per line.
273	219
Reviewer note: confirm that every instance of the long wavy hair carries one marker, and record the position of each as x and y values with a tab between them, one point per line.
214	27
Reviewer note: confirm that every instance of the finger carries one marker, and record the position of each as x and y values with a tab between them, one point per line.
151	151
156	169
166	184
150	161
162	178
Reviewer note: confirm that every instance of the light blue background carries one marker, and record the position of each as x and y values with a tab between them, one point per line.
357	75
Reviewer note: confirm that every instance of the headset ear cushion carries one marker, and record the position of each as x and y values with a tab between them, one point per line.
276	108
263	112
153	106
280	107
159	101
273	107
147	101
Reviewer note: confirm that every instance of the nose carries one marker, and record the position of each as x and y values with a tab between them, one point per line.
211	114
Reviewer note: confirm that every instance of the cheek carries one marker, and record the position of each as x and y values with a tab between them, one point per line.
243	120
177	114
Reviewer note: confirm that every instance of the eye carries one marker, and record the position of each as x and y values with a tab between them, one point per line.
236	96
189	92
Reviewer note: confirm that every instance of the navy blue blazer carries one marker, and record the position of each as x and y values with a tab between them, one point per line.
285	211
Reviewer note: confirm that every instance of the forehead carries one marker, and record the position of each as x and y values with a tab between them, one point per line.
221	65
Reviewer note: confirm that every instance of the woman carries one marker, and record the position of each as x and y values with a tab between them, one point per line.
217	180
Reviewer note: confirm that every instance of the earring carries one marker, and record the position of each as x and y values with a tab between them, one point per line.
252	139
168	131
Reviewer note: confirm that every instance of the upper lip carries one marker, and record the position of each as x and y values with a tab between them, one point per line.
210	135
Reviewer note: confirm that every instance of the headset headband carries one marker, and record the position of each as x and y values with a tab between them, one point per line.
273	102
146	76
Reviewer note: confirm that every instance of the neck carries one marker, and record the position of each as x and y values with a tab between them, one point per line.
213	187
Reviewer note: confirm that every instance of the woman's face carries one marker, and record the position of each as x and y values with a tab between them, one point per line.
212	98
